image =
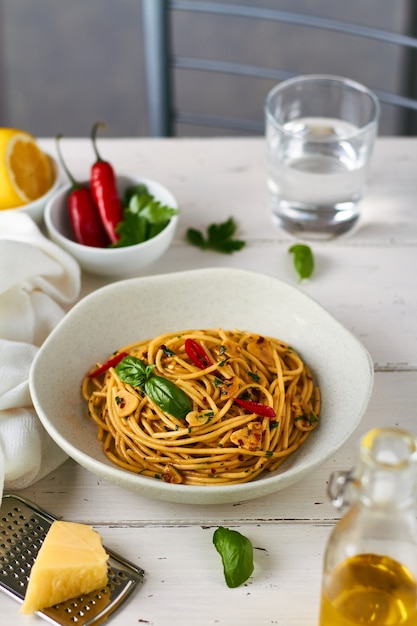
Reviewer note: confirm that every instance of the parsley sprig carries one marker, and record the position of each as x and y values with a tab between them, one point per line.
144	217
219	237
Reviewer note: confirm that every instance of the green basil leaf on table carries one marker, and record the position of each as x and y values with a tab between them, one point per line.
303	260
236	552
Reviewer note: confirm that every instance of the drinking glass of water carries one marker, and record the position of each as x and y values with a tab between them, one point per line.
320	133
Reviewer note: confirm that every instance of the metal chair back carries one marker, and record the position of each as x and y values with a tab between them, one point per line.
161	62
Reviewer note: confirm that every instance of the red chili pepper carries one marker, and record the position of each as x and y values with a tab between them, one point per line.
256	407
104	190
108	364
197	354
85	220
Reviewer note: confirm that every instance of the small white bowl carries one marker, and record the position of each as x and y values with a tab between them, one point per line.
117	262
36	209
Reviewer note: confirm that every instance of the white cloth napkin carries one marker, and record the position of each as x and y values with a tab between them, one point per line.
38	283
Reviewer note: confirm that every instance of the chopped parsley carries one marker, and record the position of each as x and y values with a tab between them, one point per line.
167	351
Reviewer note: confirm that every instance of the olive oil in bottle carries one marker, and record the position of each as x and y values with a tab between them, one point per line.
370	562
370	589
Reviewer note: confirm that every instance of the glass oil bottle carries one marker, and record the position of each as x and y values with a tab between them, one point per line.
370	562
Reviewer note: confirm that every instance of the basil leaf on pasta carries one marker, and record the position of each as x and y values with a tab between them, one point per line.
162	391
168	396
133	371
237	555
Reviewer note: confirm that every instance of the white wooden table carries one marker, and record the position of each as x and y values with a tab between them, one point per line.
367	280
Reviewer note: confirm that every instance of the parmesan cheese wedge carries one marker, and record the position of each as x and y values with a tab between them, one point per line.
71	562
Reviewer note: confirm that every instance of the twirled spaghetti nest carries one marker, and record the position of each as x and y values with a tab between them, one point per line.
218	441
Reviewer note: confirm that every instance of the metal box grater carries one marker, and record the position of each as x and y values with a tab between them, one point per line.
23	527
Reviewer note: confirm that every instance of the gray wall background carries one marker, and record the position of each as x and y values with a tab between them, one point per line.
65	64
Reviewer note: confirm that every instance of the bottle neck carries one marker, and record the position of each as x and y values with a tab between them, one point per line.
386	474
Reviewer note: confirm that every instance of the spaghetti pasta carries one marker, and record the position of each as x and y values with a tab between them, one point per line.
219	441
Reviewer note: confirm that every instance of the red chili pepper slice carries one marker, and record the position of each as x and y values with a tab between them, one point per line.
84	217
197	354
104	190
108	364
256	407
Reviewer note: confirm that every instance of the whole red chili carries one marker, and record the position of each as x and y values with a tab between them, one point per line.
84	217
112	362
197	354
104	190
256	407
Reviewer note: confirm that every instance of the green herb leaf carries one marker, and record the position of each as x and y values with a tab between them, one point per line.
195	237
303	260
223	231
133	371
236	552
168	396
162	391
167	351
143	217
139	192
157	214
219	237
131	231
312	418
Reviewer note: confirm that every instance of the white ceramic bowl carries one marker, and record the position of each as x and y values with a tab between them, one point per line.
36	208
118	262
128	310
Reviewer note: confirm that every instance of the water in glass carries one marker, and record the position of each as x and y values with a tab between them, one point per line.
317	175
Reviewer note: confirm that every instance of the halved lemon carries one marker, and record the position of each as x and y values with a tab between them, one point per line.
25	170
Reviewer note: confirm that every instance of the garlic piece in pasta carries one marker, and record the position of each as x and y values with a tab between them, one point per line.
230	387
126	402
261	349
249	437
198	418
171	475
